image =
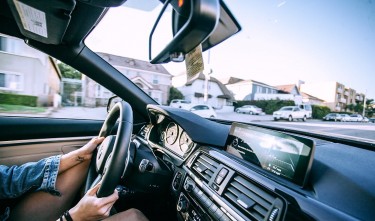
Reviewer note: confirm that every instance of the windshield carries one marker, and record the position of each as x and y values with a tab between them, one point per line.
317	55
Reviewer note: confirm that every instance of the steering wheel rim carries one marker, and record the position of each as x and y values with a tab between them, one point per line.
116	162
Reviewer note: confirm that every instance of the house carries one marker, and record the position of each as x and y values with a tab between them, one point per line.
154	79
218	95
247	89
22	66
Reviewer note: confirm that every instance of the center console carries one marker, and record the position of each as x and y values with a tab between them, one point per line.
210	190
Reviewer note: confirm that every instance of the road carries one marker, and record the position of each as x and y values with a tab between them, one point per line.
349	129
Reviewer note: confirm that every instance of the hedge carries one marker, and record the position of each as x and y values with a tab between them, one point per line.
17	99
318	112
268	106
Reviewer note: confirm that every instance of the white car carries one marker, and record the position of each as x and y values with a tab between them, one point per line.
345	118
290	113
249	109
180	103
203	110
356	117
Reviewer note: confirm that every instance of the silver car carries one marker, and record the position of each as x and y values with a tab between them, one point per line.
249	109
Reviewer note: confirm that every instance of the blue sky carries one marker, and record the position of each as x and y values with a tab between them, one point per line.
286	41
282	41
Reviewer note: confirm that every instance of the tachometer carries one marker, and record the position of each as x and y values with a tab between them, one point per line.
172	133
185	142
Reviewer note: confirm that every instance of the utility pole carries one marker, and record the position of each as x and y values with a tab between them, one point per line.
207	78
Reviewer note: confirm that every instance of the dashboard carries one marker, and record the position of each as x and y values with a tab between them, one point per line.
224	172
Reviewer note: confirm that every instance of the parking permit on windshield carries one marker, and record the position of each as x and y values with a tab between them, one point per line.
194	63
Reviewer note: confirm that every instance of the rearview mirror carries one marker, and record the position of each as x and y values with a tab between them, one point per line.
192	23
206	22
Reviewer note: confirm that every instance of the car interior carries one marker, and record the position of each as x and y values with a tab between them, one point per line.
170	163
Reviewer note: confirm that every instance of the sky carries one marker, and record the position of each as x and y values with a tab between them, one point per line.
281	41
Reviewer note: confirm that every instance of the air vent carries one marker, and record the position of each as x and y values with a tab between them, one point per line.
252	200
205	167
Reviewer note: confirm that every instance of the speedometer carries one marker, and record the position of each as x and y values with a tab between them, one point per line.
171	133
185	142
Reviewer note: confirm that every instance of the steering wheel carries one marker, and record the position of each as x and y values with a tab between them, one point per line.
110	160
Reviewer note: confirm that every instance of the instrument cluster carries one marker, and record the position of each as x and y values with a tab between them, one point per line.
168	134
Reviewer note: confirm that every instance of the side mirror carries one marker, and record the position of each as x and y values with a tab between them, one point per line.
194	22
112	101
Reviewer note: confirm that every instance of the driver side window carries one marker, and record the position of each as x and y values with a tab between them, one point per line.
34	84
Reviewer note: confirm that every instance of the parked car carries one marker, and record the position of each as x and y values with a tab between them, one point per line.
203	110
345	117
356	117
290	113
372	120
365	120
180	103
249	109
332	117
307	108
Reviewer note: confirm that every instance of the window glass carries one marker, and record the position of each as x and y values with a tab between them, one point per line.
37	85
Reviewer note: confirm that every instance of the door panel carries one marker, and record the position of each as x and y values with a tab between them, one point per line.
23	128
20	152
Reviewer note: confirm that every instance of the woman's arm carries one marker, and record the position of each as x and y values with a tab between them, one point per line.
42	175
80	155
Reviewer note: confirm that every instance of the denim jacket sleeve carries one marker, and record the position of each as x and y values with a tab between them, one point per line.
40	176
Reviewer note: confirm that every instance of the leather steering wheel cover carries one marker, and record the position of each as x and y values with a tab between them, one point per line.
116	166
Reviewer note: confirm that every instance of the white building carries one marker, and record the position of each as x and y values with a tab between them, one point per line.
154	79
26	71
218	95
247	89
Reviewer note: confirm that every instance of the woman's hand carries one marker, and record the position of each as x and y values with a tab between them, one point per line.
90	207
87	150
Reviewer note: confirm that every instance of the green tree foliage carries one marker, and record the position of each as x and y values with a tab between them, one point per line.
268	106
174	93
318	112
69	72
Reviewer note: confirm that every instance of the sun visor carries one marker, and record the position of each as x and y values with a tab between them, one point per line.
46	22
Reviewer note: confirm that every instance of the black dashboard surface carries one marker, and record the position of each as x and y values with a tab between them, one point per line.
341	181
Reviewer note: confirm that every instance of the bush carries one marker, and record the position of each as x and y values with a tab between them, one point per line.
318	112
17	99
268	106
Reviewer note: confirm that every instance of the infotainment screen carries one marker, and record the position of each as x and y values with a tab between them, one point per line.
288	156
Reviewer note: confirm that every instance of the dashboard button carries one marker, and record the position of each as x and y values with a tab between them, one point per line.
218	213
219	180
223	172
215	187
213	209
203	199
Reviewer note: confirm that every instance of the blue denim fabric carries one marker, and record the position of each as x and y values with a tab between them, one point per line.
36	176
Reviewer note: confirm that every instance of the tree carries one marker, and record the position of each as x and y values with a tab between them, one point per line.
69	72
174	93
